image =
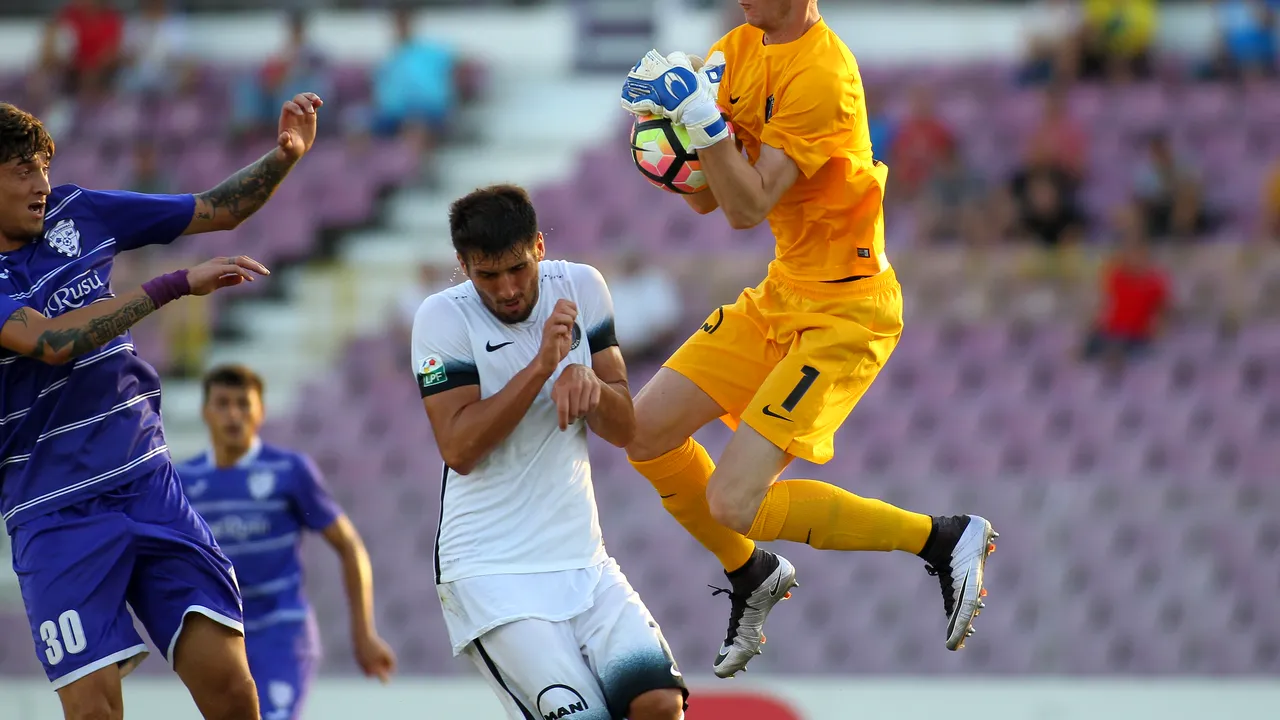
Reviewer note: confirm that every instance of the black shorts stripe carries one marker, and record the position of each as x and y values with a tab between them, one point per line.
493	669
444	479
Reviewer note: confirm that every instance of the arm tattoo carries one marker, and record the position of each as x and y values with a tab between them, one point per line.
245	192
19	316
95	333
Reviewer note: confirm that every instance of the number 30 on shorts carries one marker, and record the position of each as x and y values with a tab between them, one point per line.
72	639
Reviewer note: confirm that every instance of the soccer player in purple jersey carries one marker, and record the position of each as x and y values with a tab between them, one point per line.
260	501
88	494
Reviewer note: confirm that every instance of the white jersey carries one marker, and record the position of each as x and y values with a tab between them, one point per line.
529	506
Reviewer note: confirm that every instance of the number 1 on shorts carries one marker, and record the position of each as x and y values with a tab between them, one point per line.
797	393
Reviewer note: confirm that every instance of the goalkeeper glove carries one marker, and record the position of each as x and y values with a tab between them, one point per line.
669	87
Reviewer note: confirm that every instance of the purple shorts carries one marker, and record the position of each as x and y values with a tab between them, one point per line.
139	546
283	661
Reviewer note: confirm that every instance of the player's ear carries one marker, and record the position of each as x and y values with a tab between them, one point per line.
539	248
462	263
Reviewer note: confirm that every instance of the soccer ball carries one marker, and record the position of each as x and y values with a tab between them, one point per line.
660	149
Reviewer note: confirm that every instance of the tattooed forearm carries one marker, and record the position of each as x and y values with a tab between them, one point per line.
93	334
245	192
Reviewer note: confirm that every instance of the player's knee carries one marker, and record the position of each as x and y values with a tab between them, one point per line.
238	700
730	510
93	697
96	707
666	704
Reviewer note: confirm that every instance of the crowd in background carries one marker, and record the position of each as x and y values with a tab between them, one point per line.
92	52
93	58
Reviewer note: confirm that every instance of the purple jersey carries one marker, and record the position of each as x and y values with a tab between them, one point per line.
258	511
79	430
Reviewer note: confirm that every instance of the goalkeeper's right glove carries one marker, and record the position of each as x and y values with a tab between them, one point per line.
701	117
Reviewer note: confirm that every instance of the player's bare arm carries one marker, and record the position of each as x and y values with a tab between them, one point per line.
372	653
238	197
58	340
467	428
745	192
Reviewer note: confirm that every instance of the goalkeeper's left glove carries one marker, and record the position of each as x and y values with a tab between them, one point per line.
669	87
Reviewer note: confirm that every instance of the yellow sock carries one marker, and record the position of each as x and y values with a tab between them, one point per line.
680	477
830	518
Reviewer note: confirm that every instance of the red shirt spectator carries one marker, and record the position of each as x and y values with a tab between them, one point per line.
921	139
97	31
1059	137
1135	300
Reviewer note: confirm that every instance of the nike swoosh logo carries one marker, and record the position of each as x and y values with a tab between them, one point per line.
734	100
776	584
490	347
773	414
664	497
964	586
720	656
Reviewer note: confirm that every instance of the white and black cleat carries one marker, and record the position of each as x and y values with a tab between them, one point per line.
747	615
958	557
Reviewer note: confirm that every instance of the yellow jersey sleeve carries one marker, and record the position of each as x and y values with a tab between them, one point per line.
813	118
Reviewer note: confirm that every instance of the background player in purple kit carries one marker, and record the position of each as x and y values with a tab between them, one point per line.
88	494
258	499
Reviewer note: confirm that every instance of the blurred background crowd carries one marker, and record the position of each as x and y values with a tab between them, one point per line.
1083	206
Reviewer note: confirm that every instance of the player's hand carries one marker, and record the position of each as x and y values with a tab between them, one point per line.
576	393
298	125
662	86
669	87
222	272
712	69
375	657
557	335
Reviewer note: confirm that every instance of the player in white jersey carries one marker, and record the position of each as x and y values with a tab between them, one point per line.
514	367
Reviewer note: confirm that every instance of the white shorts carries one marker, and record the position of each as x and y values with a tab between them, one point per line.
590	666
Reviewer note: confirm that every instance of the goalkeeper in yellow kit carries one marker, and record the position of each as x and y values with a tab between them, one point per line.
786	363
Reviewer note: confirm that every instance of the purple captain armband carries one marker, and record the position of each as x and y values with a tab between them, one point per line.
167	288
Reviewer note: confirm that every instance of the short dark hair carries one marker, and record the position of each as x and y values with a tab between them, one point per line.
236	376
491	221
22	135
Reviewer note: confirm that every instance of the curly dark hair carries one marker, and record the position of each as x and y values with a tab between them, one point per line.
491	221
22	135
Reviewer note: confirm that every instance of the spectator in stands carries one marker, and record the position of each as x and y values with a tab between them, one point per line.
81	46
146	173
432	278
1135	302
1042	201
646	306
414	88
920	140
1166	190
1270	225
953	204
880	125
1117	39
155	57
1062	138
299	65
1246	47
1053	30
